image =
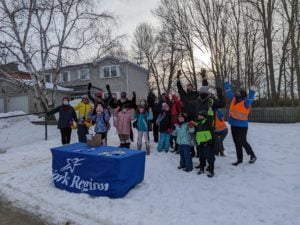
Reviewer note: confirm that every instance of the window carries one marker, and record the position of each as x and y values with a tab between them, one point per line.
48	77
109	71
84	74
65	76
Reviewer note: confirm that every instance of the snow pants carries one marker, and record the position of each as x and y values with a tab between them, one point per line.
65	135
206	153
155	132
239	135
164	142
185	157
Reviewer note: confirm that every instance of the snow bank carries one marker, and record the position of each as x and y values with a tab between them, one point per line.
266	193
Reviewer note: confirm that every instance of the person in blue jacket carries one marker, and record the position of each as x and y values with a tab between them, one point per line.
240	107
142	120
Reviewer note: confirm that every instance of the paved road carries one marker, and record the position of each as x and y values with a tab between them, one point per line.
11	216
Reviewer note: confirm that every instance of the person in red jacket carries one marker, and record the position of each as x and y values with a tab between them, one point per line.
175	108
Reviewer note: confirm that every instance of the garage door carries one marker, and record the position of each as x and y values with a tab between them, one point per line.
18	103
1	105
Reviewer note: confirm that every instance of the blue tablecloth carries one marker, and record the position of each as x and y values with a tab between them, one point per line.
101	171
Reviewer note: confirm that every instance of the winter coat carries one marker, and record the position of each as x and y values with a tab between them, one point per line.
101	121
143	120
83	110
122	122
186	98
67	115
164	121
175	107
205	129
183	133
105	101
248	102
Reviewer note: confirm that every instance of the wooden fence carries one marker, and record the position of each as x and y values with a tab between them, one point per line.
274	115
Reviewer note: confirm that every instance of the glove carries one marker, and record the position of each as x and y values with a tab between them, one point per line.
170	130
219	91
253	88
107	87
178	74
203	73
89	86
191	124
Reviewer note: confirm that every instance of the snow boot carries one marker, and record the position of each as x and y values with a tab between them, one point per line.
252	159
148	150
139	147
222	154
186	170
210	174
180	167
236	163
197	167
201	171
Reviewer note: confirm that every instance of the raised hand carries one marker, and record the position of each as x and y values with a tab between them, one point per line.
203	73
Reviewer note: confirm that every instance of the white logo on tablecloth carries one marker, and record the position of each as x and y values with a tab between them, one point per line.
72	164
75	181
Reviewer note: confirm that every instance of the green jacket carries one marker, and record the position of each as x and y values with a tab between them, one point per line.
205	129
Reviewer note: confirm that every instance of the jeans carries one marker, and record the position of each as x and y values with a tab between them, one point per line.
239	135
185	157
206	153
164	142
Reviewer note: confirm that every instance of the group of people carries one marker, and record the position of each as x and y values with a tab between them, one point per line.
190	123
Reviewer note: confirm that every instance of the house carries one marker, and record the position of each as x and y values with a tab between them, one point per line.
120	74
16	90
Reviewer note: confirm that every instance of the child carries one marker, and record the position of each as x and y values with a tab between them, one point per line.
122	122
101	119
204	139
143	119
182	133
221	132
165	128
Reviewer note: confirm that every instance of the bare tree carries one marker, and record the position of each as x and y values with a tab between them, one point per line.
40	34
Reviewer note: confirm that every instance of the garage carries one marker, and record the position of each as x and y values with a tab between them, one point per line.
1	105
18	103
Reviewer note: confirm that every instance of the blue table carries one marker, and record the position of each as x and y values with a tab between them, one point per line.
101	171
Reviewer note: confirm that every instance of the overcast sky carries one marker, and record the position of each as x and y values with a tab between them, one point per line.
131	12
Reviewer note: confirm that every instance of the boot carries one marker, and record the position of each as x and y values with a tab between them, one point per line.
201	171
139	147
121	145
252	159
210	174
127	145
222	154
147	149
236	163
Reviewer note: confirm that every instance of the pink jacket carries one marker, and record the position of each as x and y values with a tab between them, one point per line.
122	122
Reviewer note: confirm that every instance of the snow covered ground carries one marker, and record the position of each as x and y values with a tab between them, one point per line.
267	192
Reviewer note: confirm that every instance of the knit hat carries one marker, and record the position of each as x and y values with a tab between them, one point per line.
66	98
204	89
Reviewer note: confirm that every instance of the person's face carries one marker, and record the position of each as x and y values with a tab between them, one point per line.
181	119
99	109
200	117
65	102
141	110
189	87
238	94
85	101
167	108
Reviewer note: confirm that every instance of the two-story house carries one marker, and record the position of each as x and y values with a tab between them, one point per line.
120	74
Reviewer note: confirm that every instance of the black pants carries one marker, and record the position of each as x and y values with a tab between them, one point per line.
155	132
239	135
65	135
205	153
218	142
82	131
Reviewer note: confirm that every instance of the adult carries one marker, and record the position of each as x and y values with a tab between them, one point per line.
83	108
99	96
157	109
124	101
240	107
67	116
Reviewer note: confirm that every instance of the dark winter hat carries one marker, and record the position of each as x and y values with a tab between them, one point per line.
123	94
203	113
243	93
182	115
204	89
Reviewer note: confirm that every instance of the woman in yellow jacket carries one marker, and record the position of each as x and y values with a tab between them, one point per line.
82	109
